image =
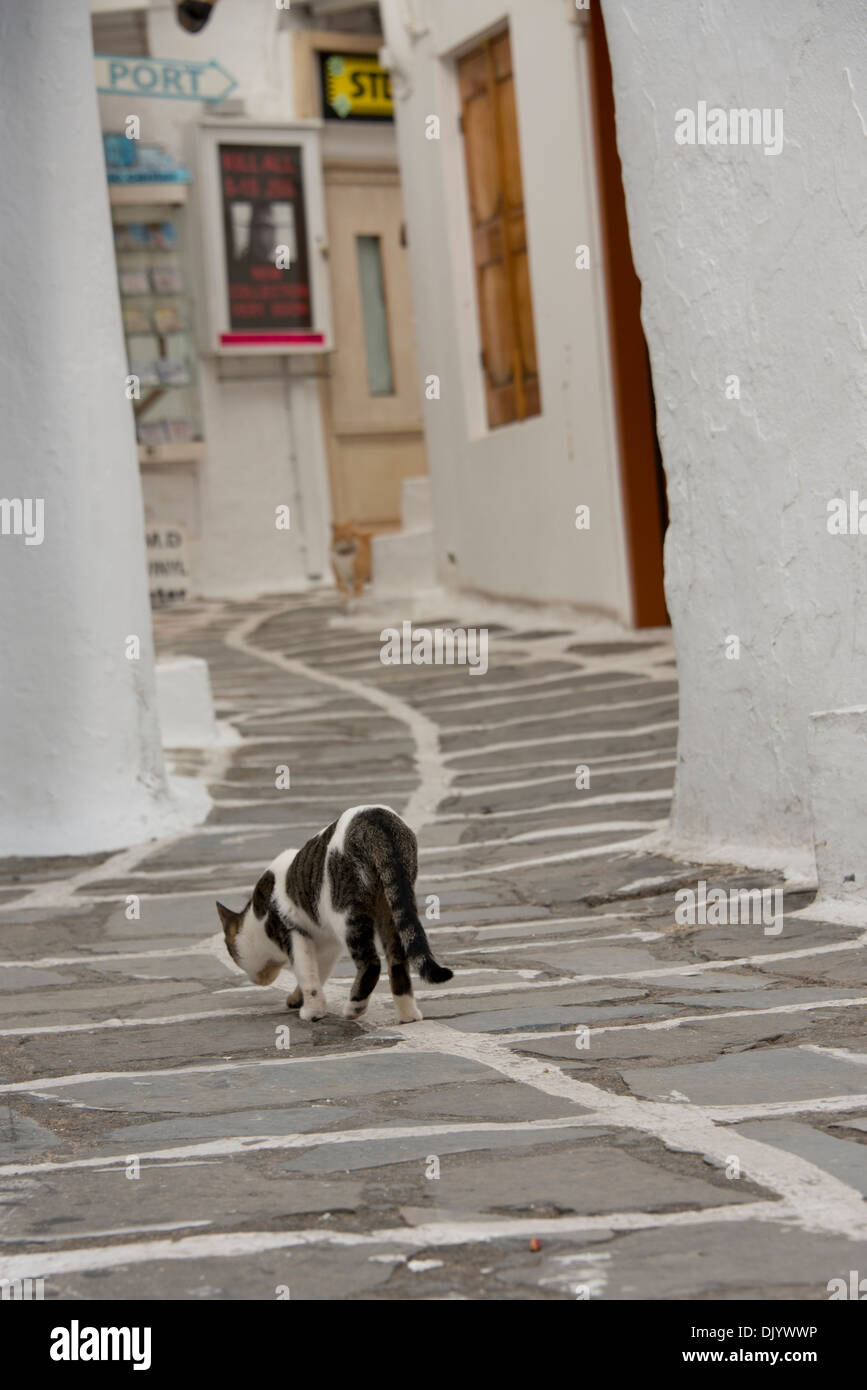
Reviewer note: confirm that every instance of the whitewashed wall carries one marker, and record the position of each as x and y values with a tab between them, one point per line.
263	430
504	500
753	264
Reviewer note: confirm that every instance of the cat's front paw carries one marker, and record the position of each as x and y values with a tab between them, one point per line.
311	1012
295	999
354	1008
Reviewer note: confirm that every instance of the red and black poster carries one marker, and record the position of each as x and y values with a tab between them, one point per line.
267	266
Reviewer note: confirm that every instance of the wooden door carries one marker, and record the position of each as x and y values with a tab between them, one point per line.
499	233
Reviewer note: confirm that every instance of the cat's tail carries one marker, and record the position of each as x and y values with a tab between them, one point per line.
400	896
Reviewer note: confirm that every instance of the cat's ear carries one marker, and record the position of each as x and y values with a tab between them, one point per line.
231	920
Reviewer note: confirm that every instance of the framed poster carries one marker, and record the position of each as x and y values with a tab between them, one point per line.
262	225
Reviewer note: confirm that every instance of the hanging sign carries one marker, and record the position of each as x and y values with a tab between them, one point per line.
356	87
173	78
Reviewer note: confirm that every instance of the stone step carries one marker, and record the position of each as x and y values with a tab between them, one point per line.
415	508
403	563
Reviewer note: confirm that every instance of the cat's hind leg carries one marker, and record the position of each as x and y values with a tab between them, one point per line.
408	1010
362	948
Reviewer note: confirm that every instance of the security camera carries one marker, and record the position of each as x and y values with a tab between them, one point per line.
194	14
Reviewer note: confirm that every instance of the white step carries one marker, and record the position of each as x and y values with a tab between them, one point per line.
415	504
403	563
186	705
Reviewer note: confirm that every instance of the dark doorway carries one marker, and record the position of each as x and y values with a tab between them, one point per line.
645	502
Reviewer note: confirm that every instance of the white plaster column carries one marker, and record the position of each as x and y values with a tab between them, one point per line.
838	800
82	766
754	305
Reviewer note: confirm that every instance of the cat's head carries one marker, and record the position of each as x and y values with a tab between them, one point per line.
344	537
248	944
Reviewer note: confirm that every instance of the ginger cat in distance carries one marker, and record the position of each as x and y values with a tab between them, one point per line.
350	557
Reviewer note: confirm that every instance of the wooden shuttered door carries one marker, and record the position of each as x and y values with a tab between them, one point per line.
499	234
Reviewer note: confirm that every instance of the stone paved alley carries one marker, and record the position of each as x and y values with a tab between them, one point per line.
711	1051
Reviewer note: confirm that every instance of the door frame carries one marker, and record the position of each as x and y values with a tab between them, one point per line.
642	478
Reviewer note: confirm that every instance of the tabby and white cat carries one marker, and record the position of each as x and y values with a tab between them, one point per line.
353	881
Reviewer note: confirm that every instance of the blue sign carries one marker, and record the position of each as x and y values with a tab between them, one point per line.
173	78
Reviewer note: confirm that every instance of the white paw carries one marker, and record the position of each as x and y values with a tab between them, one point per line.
311	1012
354	1008
408	1010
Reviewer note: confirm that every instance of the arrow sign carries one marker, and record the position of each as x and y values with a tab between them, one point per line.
172	78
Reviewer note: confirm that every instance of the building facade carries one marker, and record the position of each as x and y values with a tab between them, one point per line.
545	474
249	451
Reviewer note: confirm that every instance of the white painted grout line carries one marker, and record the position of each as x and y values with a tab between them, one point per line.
609	799
112	1023
529	837
611	765
236	1244
270	1143
662	1024
543	942
48	962
84	1078
842	1054
103	1235
453	701
578	737
568	856
576	715
778	1109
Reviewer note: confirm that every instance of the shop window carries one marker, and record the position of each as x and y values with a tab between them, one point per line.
499	235
380	379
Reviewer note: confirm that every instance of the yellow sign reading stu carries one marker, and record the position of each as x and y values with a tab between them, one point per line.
357	86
